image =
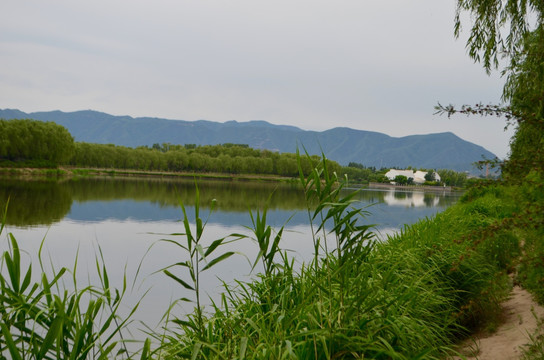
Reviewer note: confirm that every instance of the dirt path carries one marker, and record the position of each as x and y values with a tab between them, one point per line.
505	343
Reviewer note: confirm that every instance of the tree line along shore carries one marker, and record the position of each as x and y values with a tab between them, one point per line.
27	143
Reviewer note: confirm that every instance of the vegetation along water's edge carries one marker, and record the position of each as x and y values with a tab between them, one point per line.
412	296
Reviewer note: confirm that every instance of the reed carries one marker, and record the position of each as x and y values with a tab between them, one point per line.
46	318
199	259
409	297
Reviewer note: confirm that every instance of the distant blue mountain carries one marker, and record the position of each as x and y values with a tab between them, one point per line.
344	145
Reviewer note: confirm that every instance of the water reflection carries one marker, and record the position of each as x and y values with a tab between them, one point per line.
34	202
411	198
95	199
45	202
128	217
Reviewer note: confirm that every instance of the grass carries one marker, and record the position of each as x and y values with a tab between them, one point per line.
46	318
535	349
410	297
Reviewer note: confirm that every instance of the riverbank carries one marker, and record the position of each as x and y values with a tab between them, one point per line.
413	296
522	322
74	172
66	172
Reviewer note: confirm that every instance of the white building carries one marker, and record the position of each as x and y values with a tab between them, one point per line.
418	176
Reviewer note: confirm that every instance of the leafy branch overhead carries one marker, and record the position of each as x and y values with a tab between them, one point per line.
489	41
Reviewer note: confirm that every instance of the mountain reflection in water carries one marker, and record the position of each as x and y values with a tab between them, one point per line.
126	218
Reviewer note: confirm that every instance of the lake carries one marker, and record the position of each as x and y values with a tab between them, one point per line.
125	220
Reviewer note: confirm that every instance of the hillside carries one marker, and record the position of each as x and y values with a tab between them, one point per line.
442	150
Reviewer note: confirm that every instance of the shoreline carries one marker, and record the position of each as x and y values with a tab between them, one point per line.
69	172
82	172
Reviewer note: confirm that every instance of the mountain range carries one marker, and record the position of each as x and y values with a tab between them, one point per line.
344	145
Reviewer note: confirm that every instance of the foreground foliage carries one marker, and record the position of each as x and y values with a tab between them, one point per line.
406	298
51	317
411	296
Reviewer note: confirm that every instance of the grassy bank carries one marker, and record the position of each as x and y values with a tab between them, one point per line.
76	172
410	297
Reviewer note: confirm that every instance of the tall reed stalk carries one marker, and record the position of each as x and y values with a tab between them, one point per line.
408	297
199	259
405	298
45	319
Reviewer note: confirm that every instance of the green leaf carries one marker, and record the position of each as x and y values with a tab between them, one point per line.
186	264
243	347
213	246
14	352
146	351
13	264
199	228
196	350
183	283
105	354
185	323
12	272
277	239
54	330
257	258
218	259
200	250
175	243
106	278
46	289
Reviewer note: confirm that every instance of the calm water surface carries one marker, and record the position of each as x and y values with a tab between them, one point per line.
126	219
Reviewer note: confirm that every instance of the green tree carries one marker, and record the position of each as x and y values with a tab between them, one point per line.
287	165
401	180
499	28
429	176
25	139
525	90
514	30
452	178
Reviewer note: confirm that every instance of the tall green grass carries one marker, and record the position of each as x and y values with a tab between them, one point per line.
411	296
531	269
52	317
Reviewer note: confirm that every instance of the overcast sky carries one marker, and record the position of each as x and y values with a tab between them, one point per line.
379	65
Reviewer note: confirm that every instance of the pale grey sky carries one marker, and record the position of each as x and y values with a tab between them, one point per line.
378	65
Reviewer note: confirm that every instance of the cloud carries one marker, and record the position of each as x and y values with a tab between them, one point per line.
370	65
